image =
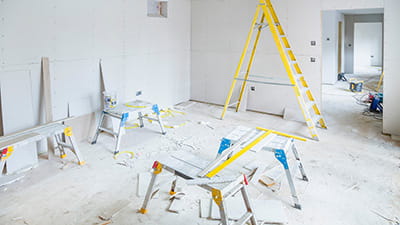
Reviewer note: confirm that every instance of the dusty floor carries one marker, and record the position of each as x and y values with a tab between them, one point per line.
354	172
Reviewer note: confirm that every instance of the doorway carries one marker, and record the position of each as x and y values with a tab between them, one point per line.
367	48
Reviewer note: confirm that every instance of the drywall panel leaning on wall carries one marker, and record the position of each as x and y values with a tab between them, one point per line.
17	114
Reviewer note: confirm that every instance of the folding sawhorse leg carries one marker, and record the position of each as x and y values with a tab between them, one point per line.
123	118
61	144
281	156
157	169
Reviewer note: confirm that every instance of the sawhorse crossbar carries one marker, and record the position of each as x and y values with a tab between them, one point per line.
60	133
121	112
203	173
221	189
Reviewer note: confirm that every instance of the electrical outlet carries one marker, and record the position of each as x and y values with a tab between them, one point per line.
313	43
312	59
138	93
252	88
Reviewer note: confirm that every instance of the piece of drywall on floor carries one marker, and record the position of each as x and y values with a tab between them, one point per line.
330	20
17	113
219	31
367	48
350	20
391	80
140	52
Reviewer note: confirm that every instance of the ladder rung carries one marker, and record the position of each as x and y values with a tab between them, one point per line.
309	105
304	90
316	118
298	75
244	218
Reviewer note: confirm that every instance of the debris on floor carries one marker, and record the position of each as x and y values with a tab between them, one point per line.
267	211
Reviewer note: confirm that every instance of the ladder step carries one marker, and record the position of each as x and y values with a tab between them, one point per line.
298	75
309	105
304	90
246	217
316	118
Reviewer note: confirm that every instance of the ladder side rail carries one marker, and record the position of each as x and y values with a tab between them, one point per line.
253	52
228	99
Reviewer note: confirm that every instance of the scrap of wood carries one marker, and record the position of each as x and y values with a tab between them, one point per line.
47	89
177	203
267	181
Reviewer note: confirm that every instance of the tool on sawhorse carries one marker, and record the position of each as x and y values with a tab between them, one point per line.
203	173
59	132
121	112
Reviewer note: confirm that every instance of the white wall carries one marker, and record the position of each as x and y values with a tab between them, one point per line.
219	29
330	20
350	20
391	82
367	47
138	52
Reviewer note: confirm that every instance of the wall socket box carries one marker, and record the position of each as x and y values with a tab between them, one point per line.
139	93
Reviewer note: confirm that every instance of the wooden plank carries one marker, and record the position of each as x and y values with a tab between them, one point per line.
47	89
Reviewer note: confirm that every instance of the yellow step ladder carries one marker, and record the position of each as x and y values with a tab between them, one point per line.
306	100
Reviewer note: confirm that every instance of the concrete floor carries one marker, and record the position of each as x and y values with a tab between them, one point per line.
354	172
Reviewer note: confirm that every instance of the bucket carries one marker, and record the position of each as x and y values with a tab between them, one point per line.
110	99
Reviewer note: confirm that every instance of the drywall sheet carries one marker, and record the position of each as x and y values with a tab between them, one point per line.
139	52
17	112
76	88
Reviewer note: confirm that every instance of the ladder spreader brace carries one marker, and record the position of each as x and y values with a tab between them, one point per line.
308	105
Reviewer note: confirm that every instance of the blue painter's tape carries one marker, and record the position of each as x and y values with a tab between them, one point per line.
225	143
156	109
281	157
124	118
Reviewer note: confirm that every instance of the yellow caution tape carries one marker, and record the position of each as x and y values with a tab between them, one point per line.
135	106
135	125
128	152
175	126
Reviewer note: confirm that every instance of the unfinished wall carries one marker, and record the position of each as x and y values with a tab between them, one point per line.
219	29
349	36
330	20
368	49
391	82
137	52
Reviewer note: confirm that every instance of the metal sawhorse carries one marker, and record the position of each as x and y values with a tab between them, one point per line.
59	132
278	143
203	173
121	112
